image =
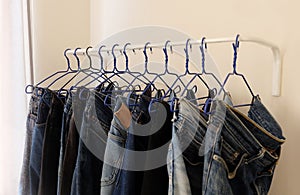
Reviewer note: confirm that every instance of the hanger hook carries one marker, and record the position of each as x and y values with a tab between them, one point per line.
145	54
235	51
68	60
165	49
187	44
88	55
113	53
203	43
75	54
237	40
101	57
125	54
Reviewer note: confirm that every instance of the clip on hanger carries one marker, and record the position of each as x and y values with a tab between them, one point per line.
235	50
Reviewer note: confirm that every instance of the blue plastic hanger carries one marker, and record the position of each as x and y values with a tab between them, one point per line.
89	71
234	72
29	88
196	75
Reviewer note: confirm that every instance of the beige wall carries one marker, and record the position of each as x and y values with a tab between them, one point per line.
275	21
57	25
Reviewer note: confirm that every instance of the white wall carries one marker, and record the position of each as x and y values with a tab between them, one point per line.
275	21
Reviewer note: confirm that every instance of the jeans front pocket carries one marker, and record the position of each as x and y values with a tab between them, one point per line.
113	159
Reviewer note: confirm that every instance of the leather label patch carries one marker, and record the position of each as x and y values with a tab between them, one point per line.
124	116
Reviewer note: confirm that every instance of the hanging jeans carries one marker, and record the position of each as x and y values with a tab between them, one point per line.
37	139
24	187
63	139
242	153
132	168
93	134
185	161
115	148
51	147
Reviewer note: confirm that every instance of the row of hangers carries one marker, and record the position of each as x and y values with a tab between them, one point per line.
103	76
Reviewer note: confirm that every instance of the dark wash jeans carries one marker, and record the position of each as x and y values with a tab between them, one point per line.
72	143
24	187
51	147
66	118
44	104
95	126
242	152
130	181
156	181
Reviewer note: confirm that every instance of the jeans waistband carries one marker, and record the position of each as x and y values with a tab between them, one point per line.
96	112
68	104
43	98
238	135
191	124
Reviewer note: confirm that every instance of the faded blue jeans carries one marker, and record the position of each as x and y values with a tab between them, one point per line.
240	152
185	160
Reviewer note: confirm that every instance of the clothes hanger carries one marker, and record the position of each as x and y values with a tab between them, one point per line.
29	88
212	92
88	71
114	72
171	93
196	75
234	72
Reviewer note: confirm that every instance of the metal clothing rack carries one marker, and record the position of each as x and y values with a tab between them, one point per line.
277	63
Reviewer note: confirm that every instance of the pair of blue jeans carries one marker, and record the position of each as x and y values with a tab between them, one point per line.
241	151
228	154
43	109
93	133
24	187
51	146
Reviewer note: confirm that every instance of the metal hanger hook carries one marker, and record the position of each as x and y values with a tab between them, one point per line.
145	54
237	41
203	43
165	49
88	55
68	60
78	60
186	50
125	54
101	57
235	52
113	53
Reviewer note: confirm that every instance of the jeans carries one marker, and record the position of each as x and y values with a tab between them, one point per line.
24	187
156	180
115	148
63	139
131	174
185	160
37	139
241	153
51	147
95	126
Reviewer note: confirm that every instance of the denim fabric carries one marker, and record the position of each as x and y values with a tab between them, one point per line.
156	180
241	154
63	139
185	162
131	181
37	139
93	134
51	147
114	152
24	186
